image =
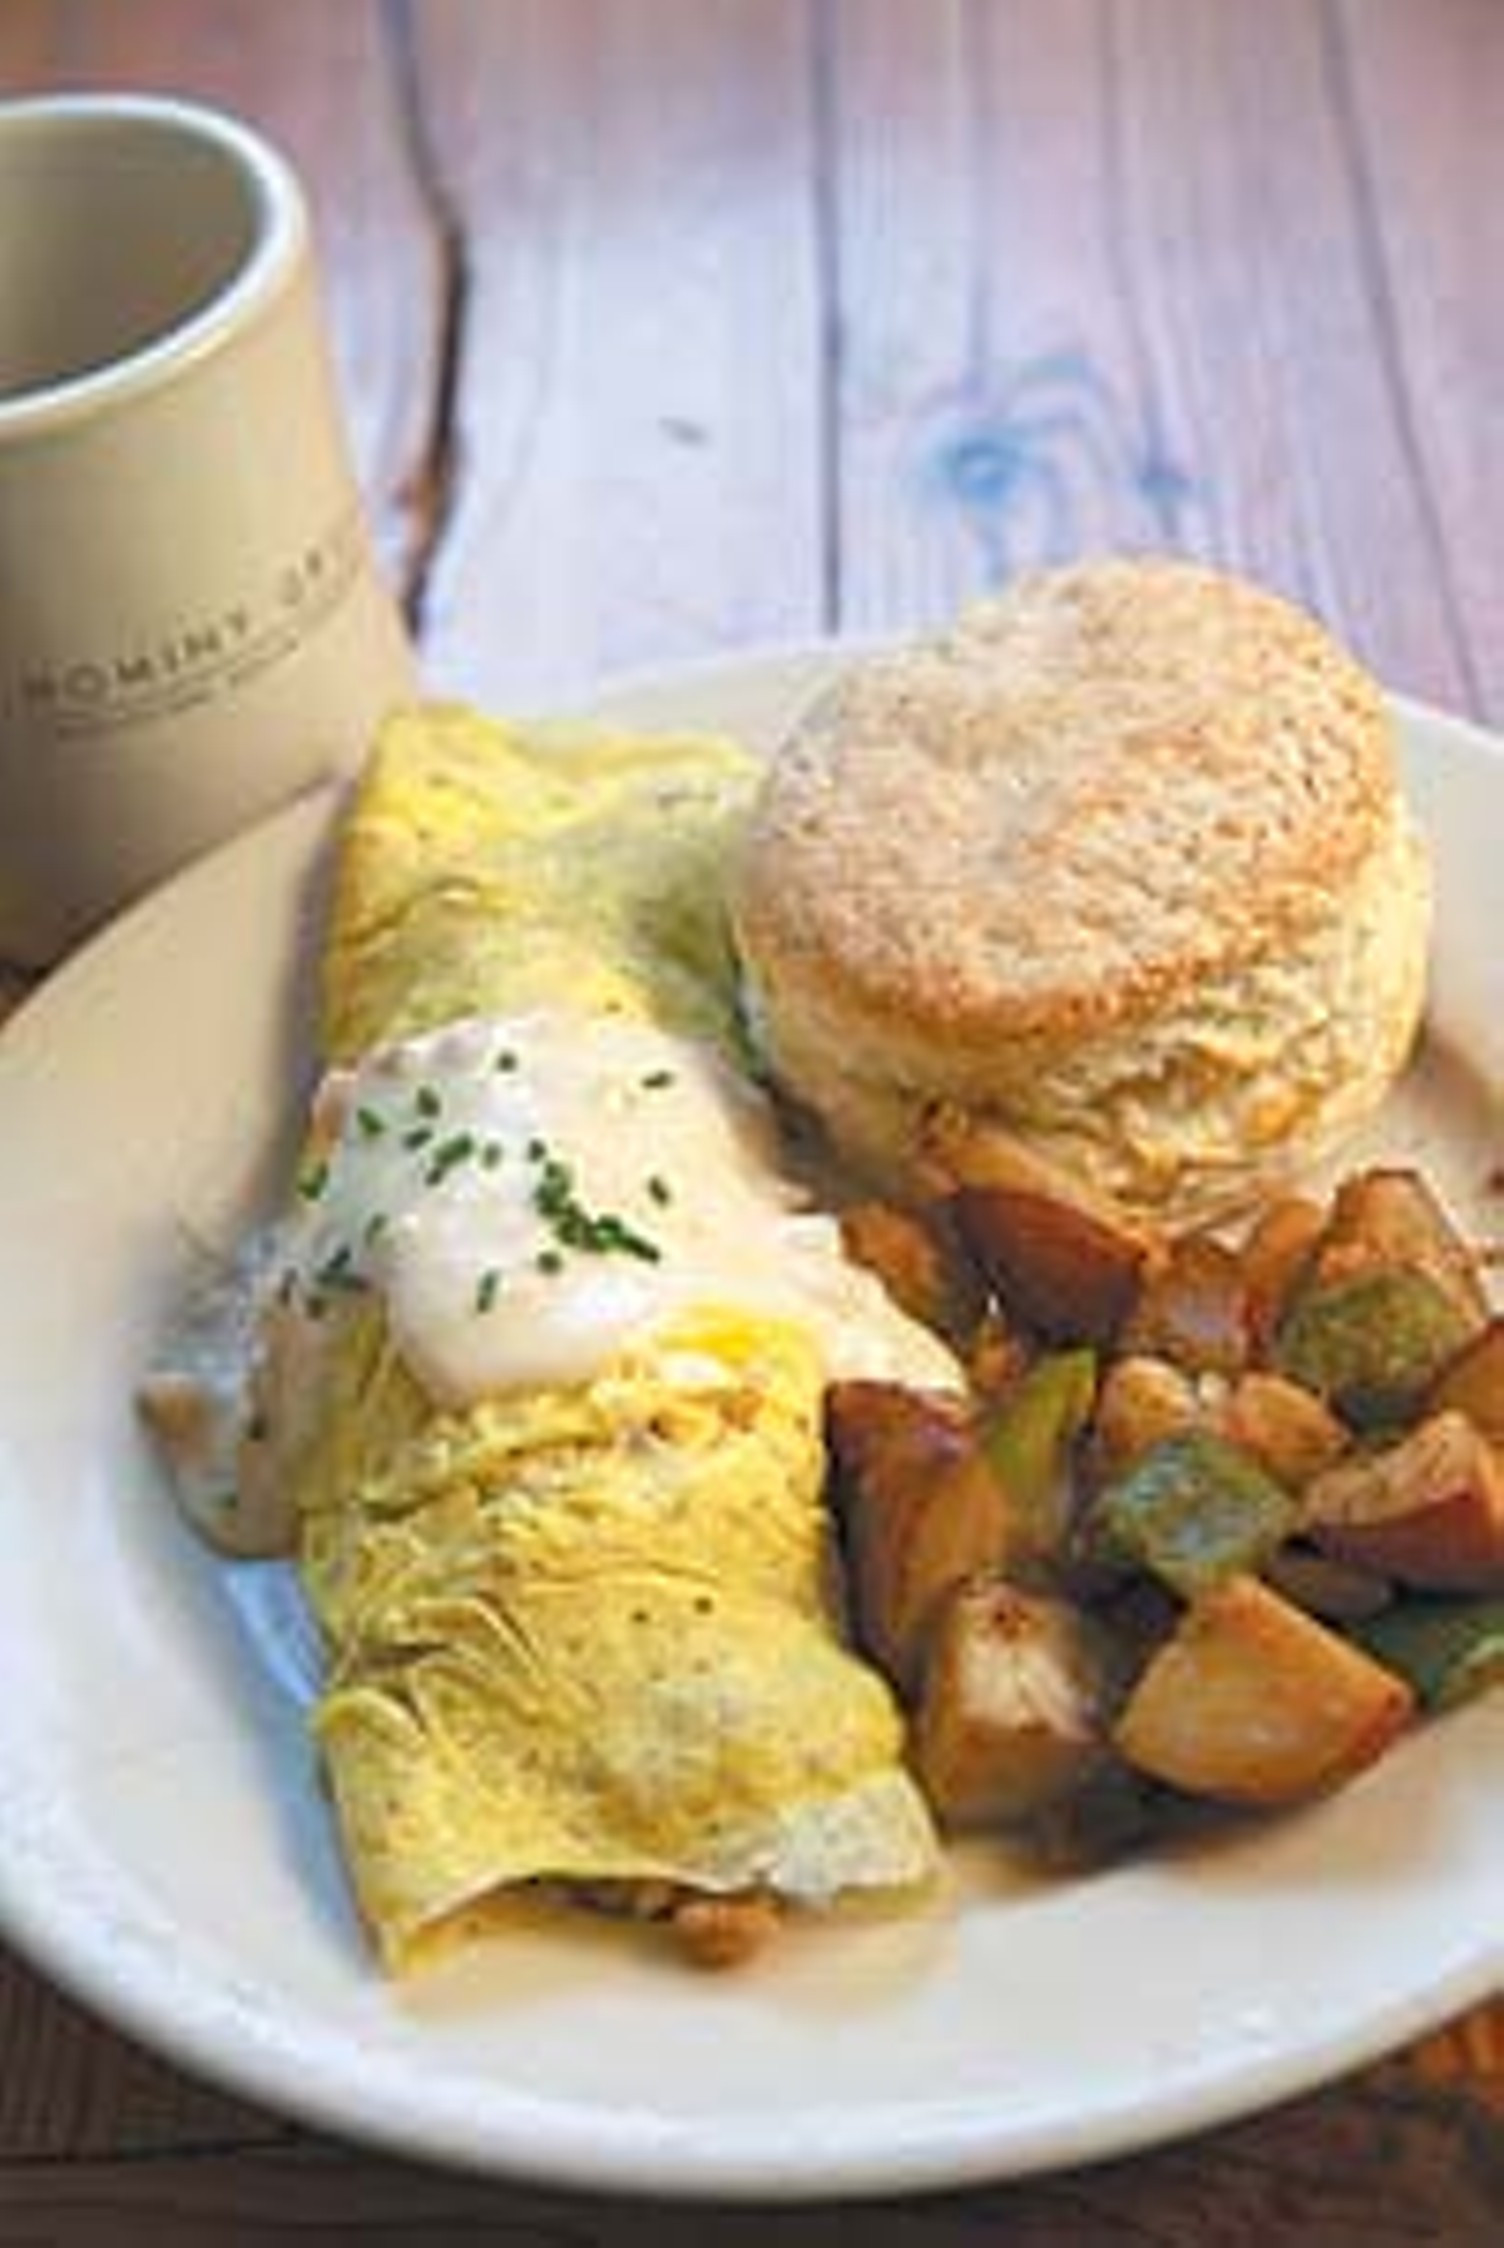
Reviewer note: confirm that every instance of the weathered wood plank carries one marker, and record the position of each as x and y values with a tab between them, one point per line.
70	2087
1107	277
325	83
1388	2169
1426	91
637	402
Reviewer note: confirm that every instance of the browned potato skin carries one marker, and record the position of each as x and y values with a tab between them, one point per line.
1274	1259
922	1270
1140	1402
1474	1383
998	1354
1065	1260
1287	1429
921	1511
1428	1511
1391	1217
1193	1309
1251	1702
1006	1722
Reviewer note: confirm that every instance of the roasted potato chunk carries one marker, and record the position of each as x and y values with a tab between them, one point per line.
1252	1702
1007	1721
1287	1429
1065	1260
1428	1511
921	1269
1473	1383
1274	1259
920	1508
1141	1401
1192	1309
1390	1218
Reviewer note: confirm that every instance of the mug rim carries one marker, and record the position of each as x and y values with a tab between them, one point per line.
273	257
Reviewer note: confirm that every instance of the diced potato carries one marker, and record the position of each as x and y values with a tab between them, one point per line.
1474	1383
1007	1721
1391	1218
921	1270
1252	1702
1427	1511
920	1508
1141	1401
1286	1428
1371	1343
1191	1511
1274	1259
1028	1443
998	1354
1065	1260
1192	1309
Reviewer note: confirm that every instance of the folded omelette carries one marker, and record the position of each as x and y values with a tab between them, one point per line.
538	1360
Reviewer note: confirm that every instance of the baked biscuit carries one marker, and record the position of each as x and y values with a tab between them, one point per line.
1119	864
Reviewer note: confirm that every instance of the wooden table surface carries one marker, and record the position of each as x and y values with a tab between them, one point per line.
673	325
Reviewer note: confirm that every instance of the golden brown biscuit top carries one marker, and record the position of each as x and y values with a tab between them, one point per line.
1105	783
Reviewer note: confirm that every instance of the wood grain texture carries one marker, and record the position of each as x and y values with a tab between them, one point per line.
672	324
1385	2168
636	394
1111	275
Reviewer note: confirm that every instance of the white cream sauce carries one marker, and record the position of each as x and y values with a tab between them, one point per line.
530	1193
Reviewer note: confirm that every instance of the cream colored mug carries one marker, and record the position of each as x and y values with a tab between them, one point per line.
192	628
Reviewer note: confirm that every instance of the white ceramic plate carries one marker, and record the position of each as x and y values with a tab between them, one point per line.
164	1848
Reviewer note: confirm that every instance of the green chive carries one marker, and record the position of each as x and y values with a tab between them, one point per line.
313	1182
506	1060
490	1154
418	1137
448	1156
370	1123
656	1080
428	1102
660	1190
485	1289
549	1260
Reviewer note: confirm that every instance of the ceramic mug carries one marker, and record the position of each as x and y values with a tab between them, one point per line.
192	627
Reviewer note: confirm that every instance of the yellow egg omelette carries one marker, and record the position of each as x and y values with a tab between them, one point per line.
542	1361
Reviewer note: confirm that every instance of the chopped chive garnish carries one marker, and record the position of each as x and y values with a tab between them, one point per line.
536	1151
419	1136
660	1190
576	1227
490	1154
427	1101
313	1182
376	1224
448	1155
287	1285
486	1288
656	1079
549	1260
338	1271
371	1124
506	1059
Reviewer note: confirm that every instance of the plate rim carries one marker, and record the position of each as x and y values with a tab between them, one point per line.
564	2143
